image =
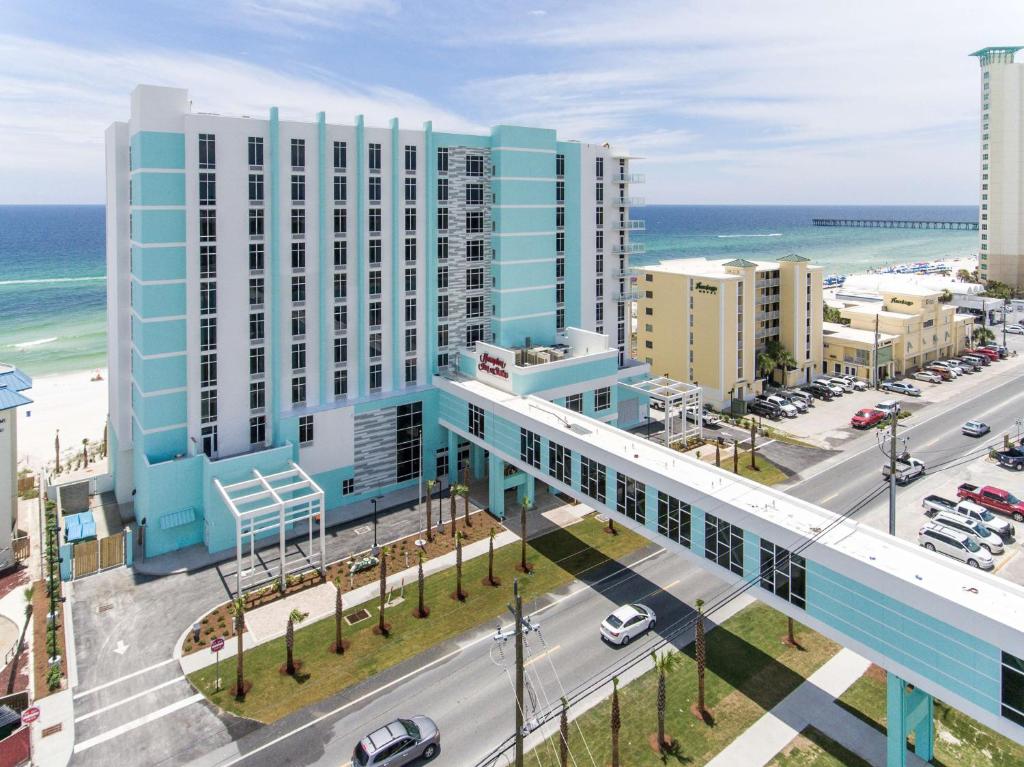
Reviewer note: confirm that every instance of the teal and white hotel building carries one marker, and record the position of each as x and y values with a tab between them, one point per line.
305	316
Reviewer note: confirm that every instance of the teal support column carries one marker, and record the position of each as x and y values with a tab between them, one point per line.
908	709
496	486
326	281
272	263
129	547
527	490
651	509
66	552
476	461
357	301
397	246
453	458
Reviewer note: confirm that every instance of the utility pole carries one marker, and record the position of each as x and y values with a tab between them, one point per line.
874	359
1004	322
522	626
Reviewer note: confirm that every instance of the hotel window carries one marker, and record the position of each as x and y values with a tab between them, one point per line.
298	390
474	278
592	479
373	158
602	398
599	192
410	248
674	519
257	430
442	190
298	322
474	333
442	220
340	221
374	222
410	157
207	188
560	319
298	221
348	486
257	360
410	371
375	314
599	167
298	255
560	293
256	326
723	544
559	268
209	437
474	194
442	306
410	219
410	340
207	225
599	245
207	262
410	280
340	286
599	313
340	155
376	377
574	402
441	462
599	288
474	222
630	497
560	217
476	421
256	151
340	351
560	242
375	252
475	250
442	335
410	190
375	281
255	187
255	222
784	574
559	191
340	188
375	187
559	164
340	383
298	289
529	447
1012	692
410	310
298	153
298	188
207	334
442	159
408	440
208	298
207	369
475	306
299	356
560	463
207	151
599	216
442	248
305	430
257	395
255	291
474	165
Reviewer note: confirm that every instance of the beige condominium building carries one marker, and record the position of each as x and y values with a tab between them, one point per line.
705	322
1001	248
911	321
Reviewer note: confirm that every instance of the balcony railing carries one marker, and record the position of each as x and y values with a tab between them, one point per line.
628	178
627	295
631	202
632	247
632	225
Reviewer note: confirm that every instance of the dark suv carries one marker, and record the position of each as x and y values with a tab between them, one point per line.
765	408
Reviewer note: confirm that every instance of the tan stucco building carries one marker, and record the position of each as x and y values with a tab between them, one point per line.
706	321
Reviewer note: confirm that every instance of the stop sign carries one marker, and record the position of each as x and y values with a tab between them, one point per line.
29	715
217	644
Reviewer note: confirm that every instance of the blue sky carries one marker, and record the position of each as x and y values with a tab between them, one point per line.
734	101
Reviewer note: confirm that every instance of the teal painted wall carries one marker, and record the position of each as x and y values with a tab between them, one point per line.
158	263
157	225
159	300
155	149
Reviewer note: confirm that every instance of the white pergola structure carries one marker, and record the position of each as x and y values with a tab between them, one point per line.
676	398
274	502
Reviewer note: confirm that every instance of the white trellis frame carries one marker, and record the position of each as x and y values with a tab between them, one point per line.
270	502
675	397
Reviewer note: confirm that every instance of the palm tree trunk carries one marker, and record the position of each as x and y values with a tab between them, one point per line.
616	722
289	643
420	606
661	710
382	627
701	659
790	639
430	503
490	560
452	498
563	733
240	667
522	540
339	648
459	594
464	492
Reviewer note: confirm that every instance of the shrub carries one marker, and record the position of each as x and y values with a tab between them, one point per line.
53	677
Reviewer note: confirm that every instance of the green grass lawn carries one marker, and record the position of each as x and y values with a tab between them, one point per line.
767	473
812	748
749	670
557	557
959	740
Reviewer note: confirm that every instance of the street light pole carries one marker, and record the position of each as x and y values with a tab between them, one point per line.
892	470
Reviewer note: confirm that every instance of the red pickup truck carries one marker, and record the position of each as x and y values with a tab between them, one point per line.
993	498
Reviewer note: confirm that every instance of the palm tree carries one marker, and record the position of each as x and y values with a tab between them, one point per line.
524	507
765	364
490	560
616	721
430	490
785	361
339	645
238	613
962	275
563	735
382	627
665	664
464	492
453	496
295	616
982	335
701	658
56	448
459	593
421	608
85	452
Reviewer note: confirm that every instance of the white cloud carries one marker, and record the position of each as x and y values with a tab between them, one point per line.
58	100
295	16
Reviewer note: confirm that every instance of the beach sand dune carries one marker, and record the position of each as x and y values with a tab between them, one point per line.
70	402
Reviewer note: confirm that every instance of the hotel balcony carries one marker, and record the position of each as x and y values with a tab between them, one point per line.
632	247
629	202
632	225
627	295
629	178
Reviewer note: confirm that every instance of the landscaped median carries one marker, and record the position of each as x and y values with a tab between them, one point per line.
749	670
556	559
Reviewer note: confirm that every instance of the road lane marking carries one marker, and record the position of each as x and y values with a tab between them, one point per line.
1005	561
676	582
85	745
122	701
104	686
536	658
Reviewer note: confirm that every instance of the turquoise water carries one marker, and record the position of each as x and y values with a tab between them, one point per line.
53	288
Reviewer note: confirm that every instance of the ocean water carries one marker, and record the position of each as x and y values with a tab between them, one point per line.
53	286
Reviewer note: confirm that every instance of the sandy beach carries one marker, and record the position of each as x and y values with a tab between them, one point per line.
70	402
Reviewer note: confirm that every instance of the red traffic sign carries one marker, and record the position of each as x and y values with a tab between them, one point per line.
29	715
217	644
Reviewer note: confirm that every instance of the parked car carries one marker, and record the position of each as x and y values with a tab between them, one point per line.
1017	330
842	383
992	354
975	429
799	394
953	543
401	742
994	499
1011	459
944	365
1000	350
798	402
942	372
765	408
907	468
1003	527
707	417
837	391
984	537
928	375
933	504
888	406
899	387
627	623
867	417
962	365
788	409
818	391
980	360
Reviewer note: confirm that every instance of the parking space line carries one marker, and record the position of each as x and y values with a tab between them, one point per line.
105	685
85	745
122	701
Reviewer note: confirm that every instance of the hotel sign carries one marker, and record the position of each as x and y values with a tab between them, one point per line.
703	287
492	365
901	301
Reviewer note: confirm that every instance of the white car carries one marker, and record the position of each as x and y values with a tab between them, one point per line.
627	623
842	383
855	383
927	375
788	409
984	537
956	371
1017	330
837	391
